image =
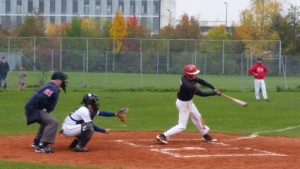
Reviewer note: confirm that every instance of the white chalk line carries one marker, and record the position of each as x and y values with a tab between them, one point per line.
256	134
171	151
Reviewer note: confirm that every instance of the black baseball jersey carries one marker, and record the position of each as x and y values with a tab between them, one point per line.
188	88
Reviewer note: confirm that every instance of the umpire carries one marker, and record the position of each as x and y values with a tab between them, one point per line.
38	109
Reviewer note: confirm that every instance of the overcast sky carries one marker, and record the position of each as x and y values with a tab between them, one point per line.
215	10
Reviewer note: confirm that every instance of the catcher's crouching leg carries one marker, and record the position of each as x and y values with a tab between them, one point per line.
84	137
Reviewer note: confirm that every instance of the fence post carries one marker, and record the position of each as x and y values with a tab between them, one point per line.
223	55
87	54
168	55
141	63
60	54
34	65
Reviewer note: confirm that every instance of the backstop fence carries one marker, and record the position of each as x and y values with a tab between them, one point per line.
221	58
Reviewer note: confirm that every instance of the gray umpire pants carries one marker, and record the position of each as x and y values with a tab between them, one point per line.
48	128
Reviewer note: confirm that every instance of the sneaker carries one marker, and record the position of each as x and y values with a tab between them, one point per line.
209	138
267	100
35	143
44	149
78	148
162	138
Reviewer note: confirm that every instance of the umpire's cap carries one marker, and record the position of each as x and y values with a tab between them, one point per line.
59	75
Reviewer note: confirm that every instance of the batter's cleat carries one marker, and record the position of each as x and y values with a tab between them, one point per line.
44	149
267	100
162	138
78	148
207	137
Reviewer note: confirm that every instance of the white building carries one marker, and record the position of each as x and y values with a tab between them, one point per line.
153	14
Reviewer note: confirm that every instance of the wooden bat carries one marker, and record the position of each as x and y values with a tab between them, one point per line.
239	102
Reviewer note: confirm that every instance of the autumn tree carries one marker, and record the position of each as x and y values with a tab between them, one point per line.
134	29
56	30
188	28
75	30
257	23
218	33
291	31
118	30
33	26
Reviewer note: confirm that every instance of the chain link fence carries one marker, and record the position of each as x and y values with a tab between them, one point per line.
148	61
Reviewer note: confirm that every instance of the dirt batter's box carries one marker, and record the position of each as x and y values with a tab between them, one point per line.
217	149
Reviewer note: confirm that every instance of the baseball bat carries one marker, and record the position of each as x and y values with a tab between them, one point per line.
239	102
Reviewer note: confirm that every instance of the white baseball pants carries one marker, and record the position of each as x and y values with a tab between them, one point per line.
187	109
260	84
71	130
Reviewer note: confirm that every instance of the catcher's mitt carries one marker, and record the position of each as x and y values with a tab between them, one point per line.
122	113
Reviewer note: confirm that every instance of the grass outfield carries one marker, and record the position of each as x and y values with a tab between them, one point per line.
156	111
135	81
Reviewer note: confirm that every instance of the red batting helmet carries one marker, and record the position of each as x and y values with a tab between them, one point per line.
190	70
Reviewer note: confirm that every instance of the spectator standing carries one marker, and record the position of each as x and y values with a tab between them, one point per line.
22	78
4	69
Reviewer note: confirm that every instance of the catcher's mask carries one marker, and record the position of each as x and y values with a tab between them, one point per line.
61	76
190	70
91	99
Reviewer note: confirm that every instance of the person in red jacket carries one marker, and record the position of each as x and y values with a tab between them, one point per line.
259	71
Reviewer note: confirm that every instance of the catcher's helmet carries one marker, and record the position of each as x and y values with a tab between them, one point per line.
91	99
190	70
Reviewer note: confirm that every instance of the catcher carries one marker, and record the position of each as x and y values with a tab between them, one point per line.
79	123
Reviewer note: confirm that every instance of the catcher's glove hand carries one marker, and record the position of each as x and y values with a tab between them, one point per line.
122	113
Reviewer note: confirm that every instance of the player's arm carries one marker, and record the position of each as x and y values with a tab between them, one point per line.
252	71
205	94
106	113
99	129
205	83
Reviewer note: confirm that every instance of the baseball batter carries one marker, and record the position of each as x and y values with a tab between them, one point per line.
259	71
79	123
186	107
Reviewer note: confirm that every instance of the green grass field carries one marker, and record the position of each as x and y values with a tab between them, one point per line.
156	111
155	82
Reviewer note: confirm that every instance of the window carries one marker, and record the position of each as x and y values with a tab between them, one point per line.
52	19
109	7
121	6
19	6
144	7
132	7
63	19
52	6
98	7
7	6
19	20
41	6
63	6
75	6
30	6
86	7
156	7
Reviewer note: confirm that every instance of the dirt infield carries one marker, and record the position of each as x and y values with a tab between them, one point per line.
136	150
